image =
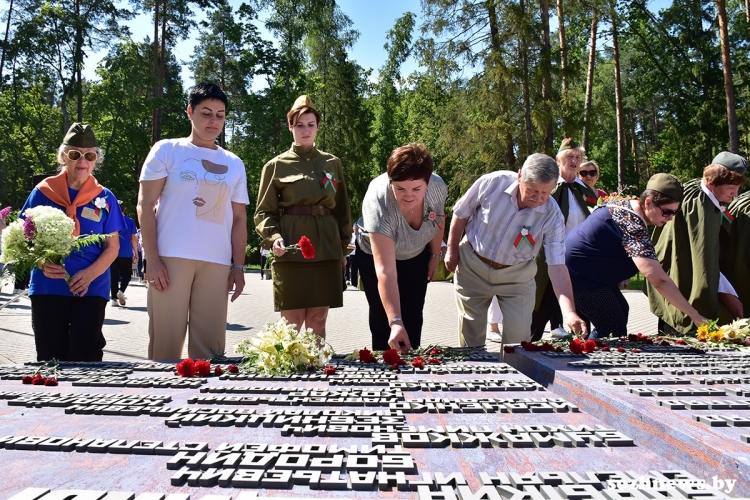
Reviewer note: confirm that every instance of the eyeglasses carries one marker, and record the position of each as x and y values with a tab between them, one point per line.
667	213
75	155
587	173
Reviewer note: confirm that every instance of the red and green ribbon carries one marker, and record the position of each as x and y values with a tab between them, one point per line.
328	180
524	235
726	215
437	219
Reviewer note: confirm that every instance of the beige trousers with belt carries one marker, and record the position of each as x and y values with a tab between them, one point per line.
476	283
194	302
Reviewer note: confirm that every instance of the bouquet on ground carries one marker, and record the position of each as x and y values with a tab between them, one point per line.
734	334
280	349
45	235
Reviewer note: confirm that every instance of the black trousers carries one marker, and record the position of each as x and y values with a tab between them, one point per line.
412	289
549	310
68	328
120	272
606	308
352	269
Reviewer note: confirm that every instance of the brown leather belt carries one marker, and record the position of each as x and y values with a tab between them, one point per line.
306	210
492	264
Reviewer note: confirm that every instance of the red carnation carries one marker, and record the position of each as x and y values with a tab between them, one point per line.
589	346
394	367
233	369
306	247
186	368
620	349
635	350
433	361
365	356
576	346
508	348
37	380
329	370
605	349
26	379
680	342
391	357
418	362
202	367
664	343
51	381
435	351
218	370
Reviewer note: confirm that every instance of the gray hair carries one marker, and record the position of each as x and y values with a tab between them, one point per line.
540	168
65	147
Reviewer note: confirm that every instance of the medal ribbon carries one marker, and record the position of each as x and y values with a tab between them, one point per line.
329	181
726	215
524	237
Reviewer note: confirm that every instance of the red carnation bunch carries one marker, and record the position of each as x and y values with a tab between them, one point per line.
202	367
186	368
329	370
391	357
418	362
365	356
576	346
38	379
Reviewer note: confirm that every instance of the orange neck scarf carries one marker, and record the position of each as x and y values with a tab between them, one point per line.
56	189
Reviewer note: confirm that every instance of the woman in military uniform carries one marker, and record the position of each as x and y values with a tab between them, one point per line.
303	193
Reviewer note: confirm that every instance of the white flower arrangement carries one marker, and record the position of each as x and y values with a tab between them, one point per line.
46	234
280	349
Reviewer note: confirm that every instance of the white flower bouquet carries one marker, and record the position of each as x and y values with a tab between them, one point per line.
280	349
46	235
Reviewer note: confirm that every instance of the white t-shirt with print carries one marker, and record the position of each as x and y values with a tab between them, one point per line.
194	215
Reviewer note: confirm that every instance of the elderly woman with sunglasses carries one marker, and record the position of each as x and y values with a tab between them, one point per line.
612	245
589	174
67	317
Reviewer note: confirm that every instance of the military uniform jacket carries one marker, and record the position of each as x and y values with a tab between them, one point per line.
295	178
689	248
736	267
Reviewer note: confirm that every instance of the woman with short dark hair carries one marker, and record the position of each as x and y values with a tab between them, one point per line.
399	245
612	245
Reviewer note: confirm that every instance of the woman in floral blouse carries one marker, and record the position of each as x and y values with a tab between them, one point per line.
612	245
399	245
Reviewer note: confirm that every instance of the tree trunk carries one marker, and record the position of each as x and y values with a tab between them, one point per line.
525	84
618	103
634	144
590	80
563	67
78	61
158	85
655	125
546	77
726	62
5	42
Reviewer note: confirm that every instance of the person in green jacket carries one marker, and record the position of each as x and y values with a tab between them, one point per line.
693	245
303	193
736	267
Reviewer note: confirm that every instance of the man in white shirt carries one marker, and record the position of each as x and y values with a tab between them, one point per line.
508	217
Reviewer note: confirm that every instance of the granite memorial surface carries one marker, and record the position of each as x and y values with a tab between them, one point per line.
468	430
690	406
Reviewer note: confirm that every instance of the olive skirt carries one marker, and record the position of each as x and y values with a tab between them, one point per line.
299	285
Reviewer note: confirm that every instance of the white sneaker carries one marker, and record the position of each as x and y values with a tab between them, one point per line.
558	333
121	298
494	337
114	303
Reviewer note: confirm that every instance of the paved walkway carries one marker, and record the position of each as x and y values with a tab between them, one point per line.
126	328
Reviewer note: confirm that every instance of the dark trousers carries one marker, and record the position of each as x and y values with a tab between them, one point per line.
412	289
120	271
549	310
606	308
352	269
68	328
139	265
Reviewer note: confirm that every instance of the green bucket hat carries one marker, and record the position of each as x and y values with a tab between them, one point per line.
80	136
732	161
666	184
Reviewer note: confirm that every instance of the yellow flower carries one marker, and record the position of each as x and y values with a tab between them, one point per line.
717	336
702	331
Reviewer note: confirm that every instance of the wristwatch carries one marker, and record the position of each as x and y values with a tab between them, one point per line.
235	266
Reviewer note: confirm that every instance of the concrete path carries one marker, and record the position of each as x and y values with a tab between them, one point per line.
126	328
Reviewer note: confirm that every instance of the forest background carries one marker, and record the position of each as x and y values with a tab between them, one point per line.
644	91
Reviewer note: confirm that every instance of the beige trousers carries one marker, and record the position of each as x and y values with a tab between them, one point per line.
476	283
196	301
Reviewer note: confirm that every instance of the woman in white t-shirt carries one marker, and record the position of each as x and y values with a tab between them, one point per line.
195	244
399	245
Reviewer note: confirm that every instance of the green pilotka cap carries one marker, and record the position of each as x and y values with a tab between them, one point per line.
80	136
303	101
666	184
732	161
568	143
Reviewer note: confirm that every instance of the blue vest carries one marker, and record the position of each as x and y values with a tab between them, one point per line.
594	253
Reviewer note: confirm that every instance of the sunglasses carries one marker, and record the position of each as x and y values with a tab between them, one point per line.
75	155
667	213
587	173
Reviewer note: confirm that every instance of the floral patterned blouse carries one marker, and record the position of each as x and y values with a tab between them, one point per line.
635	238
